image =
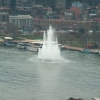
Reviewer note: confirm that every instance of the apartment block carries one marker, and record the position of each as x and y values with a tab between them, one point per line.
60	3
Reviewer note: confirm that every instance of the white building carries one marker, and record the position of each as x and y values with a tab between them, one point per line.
24	22
77	4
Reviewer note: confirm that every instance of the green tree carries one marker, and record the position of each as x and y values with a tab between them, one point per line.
82	30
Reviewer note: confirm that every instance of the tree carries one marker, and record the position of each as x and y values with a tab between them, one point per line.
96	38
11	29
82	30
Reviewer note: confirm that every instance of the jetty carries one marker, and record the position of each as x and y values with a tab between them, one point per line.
95	51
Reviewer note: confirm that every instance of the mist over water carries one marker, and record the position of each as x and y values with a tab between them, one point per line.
50	50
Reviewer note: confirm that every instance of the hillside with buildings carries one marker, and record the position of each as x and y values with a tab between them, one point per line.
81	16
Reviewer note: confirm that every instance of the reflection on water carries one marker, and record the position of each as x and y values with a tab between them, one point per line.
25	79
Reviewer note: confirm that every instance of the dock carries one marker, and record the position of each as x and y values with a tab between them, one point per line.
94	51
73	48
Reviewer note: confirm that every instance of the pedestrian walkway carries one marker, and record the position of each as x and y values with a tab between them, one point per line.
95	51
73	48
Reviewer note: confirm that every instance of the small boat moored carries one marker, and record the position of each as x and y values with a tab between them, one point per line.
95	98
8	41
85	50
34	46
22	45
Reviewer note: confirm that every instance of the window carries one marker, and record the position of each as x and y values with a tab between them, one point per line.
3	18
13	20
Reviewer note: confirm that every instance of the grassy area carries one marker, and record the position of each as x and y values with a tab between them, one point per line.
40	37
18	38
77	44
73	42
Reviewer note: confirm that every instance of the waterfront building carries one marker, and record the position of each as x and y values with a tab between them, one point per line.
24	22
62	24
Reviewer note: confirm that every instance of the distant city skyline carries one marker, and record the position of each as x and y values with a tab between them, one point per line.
51	3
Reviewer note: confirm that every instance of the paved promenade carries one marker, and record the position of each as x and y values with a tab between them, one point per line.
95	51
73	48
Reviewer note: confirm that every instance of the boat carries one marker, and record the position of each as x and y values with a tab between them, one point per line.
1	42
22	45
95	98
8	41
86	49
34	46
61	47
9	44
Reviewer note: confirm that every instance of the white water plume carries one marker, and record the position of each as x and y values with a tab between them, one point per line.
50	49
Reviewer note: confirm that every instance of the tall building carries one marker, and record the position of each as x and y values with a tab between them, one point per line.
27	3
6	2
94	2
0	3
60	3
13	4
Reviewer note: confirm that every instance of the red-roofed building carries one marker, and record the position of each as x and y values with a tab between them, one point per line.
77	12
62	24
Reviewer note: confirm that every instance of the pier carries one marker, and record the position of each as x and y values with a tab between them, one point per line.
95	51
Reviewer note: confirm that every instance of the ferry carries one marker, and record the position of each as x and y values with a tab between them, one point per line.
34	46
8	41
1	42
22	45
95	98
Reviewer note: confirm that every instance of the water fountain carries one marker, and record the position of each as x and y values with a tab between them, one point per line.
50	50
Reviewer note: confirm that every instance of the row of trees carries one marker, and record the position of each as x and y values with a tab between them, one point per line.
79	37
11	30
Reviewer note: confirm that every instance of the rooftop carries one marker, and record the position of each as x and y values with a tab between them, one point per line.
20	16
4	13
8	38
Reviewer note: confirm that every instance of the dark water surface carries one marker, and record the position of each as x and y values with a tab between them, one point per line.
24	79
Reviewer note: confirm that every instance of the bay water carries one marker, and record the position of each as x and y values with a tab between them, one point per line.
23	77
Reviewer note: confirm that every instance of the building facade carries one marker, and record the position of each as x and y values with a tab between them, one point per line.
25	3
0	3
60	3
62	24
24	22
77	12
4	17
6	2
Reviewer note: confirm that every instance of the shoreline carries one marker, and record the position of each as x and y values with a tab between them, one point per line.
94	51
